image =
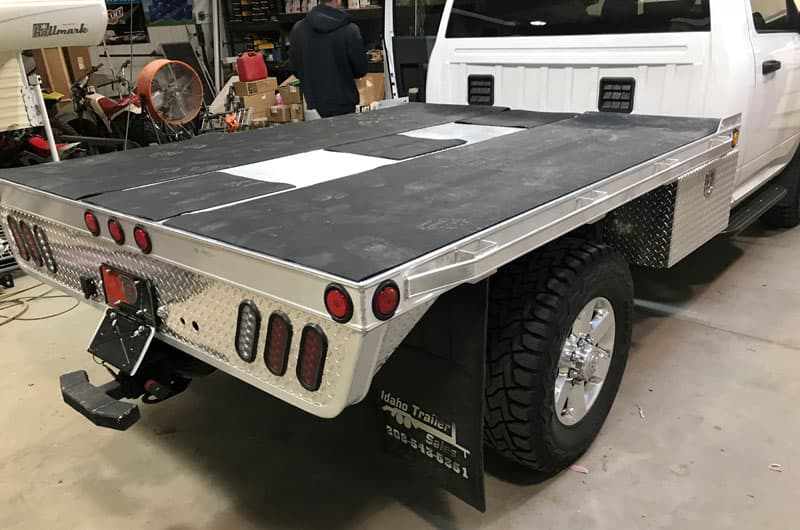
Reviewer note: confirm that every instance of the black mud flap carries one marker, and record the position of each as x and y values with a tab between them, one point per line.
431	394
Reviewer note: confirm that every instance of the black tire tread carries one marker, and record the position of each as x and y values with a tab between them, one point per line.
61	127
783	216
517	356
786	214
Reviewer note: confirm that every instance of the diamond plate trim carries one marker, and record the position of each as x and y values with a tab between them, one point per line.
642	229
664	226
7	262
190	298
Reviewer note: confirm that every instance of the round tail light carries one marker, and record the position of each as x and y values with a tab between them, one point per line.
116	231
386	300
338	303
92	224
142	239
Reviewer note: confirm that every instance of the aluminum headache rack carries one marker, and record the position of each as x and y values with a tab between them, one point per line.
299	258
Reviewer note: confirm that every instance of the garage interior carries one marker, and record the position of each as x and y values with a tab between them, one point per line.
701	433
700	418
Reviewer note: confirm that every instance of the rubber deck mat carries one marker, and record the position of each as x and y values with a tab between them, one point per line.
521	119
359	226
396	147
91	176
169	199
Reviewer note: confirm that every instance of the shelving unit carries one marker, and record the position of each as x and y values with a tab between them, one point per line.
276	26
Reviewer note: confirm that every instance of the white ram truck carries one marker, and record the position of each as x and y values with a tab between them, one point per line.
659	57
462	268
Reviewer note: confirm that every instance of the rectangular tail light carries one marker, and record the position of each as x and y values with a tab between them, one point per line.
279	343
47	252
22	248
248	328
30	243
311	364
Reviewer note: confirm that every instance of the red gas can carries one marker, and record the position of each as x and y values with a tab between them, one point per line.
251	67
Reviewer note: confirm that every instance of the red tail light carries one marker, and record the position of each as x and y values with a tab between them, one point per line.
279	343
119	287
47	252
30	242
116	231
92	224
22	248
311	364
338	303
386	300
142	239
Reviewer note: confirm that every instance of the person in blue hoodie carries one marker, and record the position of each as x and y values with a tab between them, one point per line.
327	54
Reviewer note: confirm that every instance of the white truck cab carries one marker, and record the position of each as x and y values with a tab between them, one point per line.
705	58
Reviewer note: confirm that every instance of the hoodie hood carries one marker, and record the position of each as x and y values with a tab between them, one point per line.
325	19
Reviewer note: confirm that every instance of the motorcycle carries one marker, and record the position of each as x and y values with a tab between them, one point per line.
27	147
99	116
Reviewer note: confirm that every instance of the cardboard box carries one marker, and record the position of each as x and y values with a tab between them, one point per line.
260	103
371	88
52	67
297	113
280	114
79	61
291	95
249	88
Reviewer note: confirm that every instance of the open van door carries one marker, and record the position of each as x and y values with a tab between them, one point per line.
410	30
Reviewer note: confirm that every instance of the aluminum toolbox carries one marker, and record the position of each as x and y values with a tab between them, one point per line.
664	226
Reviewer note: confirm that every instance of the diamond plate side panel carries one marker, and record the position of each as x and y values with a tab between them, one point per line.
202	312
398	330
7	262
642	229
664	226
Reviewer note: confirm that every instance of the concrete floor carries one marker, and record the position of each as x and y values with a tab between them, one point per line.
713	370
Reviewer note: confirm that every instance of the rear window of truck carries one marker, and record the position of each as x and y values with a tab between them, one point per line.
513	18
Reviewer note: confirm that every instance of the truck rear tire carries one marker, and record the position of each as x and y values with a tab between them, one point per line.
542	356
786	214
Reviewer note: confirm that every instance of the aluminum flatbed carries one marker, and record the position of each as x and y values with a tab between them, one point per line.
414	197
426	196
300	258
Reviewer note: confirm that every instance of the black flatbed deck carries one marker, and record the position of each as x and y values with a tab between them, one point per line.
360	225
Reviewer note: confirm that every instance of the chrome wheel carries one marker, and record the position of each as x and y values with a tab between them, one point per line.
585	360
